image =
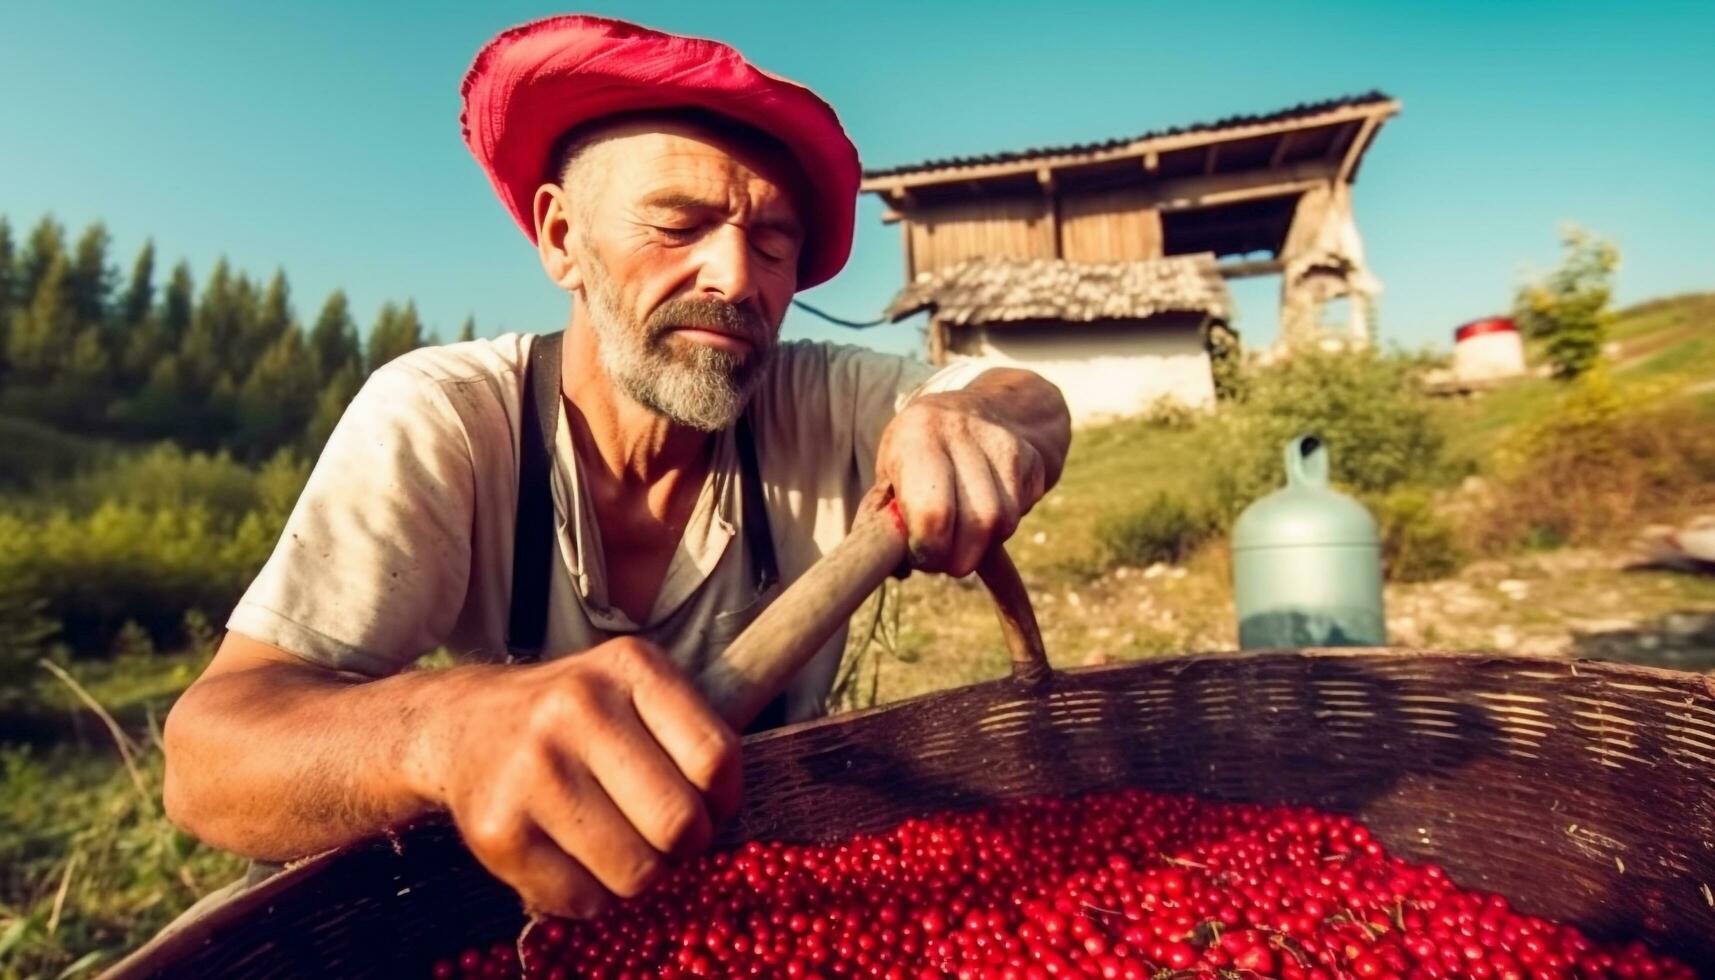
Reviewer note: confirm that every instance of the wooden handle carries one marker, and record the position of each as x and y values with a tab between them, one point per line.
765	657
758	665
1017	617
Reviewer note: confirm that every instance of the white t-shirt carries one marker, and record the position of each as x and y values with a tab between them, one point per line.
402	540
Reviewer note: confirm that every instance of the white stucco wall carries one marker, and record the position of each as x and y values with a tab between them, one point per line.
1489	357
1106	370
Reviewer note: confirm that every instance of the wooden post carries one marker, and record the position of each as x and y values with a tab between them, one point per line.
1154	236
1356	149
937	341
1348	130
1045	177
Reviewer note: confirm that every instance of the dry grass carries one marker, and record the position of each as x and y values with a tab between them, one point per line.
89	866
947	635
1594	482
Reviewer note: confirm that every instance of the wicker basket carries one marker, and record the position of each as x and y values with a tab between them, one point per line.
1583	791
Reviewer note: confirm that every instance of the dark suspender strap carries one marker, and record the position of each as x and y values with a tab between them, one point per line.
758	537
760	540
533	537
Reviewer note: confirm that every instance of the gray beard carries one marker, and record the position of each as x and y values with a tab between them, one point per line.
695	386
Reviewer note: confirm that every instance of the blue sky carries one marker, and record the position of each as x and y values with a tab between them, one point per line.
322	137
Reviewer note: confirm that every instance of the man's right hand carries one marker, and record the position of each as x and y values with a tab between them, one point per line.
579	779
582	778
573	781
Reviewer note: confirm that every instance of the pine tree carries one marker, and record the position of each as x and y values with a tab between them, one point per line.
162	408
85	373
8	286
272	320
42	334
140	292
397	331
246	342
226	366
46	244
91	280
209	340
330	405
278	398
151	364
178	305
218	414
8	268
333	339
140	341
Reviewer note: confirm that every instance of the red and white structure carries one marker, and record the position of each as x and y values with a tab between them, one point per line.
1488	350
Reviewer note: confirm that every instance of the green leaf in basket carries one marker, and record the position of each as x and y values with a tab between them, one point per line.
13	934
81	965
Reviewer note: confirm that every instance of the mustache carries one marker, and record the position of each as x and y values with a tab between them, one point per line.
712	314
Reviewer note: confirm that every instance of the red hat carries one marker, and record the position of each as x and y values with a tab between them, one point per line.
531	84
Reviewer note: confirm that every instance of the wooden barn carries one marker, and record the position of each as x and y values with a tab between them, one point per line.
1103	266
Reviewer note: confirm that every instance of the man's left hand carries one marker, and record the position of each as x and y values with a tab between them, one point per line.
966	466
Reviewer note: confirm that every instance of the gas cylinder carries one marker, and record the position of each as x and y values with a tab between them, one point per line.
1307	562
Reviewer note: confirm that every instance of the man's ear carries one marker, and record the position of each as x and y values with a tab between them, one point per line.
552	211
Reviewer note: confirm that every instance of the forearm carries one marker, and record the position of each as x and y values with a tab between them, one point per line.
1032	407
275	759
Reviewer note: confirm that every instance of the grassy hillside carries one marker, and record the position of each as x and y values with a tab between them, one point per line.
1092	610
1660	349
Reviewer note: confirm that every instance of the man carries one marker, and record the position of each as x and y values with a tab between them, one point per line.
687	460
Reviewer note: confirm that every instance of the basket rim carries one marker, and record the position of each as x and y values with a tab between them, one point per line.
1178	662
167	948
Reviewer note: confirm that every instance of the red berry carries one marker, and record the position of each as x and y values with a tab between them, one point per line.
1123	886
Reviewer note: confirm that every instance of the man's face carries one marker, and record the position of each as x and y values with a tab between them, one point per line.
688	251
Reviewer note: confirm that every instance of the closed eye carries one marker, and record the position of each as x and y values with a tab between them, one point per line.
775	245
677	234
771	252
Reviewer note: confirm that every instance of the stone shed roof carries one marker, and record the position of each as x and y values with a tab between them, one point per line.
1003	290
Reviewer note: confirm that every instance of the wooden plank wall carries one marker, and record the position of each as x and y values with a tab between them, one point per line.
1012	227
1110	226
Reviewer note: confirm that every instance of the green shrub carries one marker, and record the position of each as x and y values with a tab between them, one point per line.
1418	544
1166	528
1170	413
144	541
1568	310
1367	406
1226	362
126	563
168	477
24	633
1596	470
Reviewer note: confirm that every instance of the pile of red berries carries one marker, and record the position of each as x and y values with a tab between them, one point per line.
1125	885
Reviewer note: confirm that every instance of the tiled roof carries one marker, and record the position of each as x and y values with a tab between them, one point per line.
999	290
1303	110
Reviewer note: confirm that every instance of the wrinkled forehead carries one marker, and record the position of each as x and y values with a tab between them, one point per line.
639	155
